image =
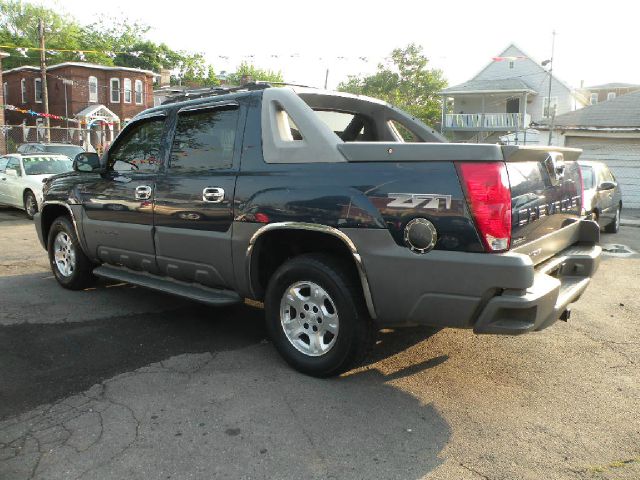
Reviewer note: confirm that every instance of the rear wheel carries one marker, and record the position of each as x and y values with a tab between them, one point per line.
71	267
614	226
30	204
316	316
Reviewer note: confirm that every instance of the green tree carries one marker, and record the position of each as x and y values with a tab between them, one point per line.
107	36
252	73
19	26
407	82
193	71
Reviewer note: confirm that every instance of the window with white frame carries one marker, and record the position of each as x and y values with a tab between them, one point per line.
139	92
611	95
545	107
93	89
594	99
23	90
5	91
37	88
127	90
114	89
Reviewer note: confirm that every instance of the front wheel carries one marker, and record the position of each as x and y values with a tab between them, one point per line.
71	267
316	316
30	204
614	226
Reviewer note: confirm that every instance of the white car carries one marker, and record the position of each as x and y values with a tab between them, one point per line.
21	178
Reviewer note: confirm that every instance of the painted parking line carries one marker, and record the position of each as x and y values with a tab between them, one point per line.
617	250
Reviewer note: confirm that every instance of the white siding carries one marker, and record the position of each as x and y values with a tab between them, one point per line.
535	77
623	157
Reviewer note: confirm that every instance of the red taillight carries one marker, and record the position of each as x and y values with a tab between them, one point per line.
489	196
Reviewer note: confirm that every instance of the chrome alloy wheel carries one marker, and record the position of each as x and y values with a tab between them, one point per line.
64	254
309	318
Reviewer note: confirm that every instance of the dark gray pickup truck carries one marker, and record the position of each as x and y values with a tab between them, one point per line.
342	213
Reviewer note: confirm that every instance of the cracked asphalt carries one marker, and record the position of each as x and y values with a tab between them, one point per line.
119	382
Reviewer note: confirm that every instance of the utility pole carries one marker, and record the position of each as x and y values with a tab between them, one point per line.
66	82
551	116
43	82
326	78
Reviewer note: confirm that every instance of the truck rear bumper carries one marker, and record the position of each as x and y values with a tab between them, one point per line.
491	293
557	283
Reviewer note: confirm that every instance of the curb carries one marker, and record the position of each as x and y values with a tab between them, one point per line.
629	223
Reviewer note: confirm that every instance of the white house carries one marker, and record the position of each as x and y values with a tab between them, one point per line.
608	132
510	93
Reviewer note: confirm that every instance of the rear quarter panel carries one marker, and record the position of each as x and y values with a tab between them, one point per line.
379	195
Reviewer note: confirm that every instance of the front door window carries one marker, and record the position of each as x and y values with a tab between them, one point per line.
139	149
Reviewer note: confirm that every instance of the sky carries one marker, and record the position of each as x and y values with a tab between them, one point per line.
595	43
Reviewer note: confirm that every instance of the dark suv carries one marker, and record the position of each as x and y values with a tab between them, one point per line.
341	213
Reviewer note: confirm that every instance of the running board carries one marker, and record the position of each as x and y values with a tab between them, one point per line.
199	293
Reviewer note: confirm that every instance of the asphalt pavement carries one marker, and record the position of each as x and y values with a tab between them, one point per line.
120	382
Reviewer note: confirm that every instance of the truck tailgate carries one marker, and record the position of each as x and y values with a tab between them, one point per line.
546	199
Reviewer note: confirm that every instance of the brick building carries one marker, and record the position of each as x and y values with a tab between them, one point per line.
608	91
98	99
3	147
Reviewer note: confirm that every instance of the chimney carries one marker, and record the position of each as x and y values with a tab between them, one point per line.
165	77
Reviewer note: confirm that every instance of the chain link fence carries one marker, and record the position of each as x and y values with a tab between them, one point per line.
93	140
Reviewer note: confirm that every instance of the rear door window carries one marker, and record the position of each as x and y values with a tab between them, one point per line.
204	140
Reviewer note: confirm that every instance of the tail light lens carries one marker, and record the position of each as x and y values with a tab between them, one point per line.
489	197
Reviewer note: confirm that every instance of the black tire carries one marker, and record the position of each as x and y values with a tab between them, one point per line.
80	276
30	204
614	226
357	332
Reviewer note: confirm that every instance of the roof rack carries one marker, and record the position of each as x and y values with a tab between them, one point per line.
213	91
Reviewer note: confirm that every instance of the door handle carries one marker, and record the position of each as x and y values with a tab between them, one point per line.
143	192
213	194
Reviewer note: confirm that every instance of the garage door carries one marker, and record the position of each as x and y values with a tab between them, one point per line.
623	157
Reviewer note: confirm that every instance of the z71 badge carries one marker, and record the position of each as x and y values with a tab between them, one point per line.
419	200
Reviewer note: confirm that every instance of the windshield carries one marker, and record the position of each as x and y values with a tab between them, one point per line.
587	177
69	150
46	165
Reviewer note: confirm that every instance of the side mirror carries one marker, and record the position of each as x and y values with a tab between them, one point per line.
10	172
86	162
606	186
